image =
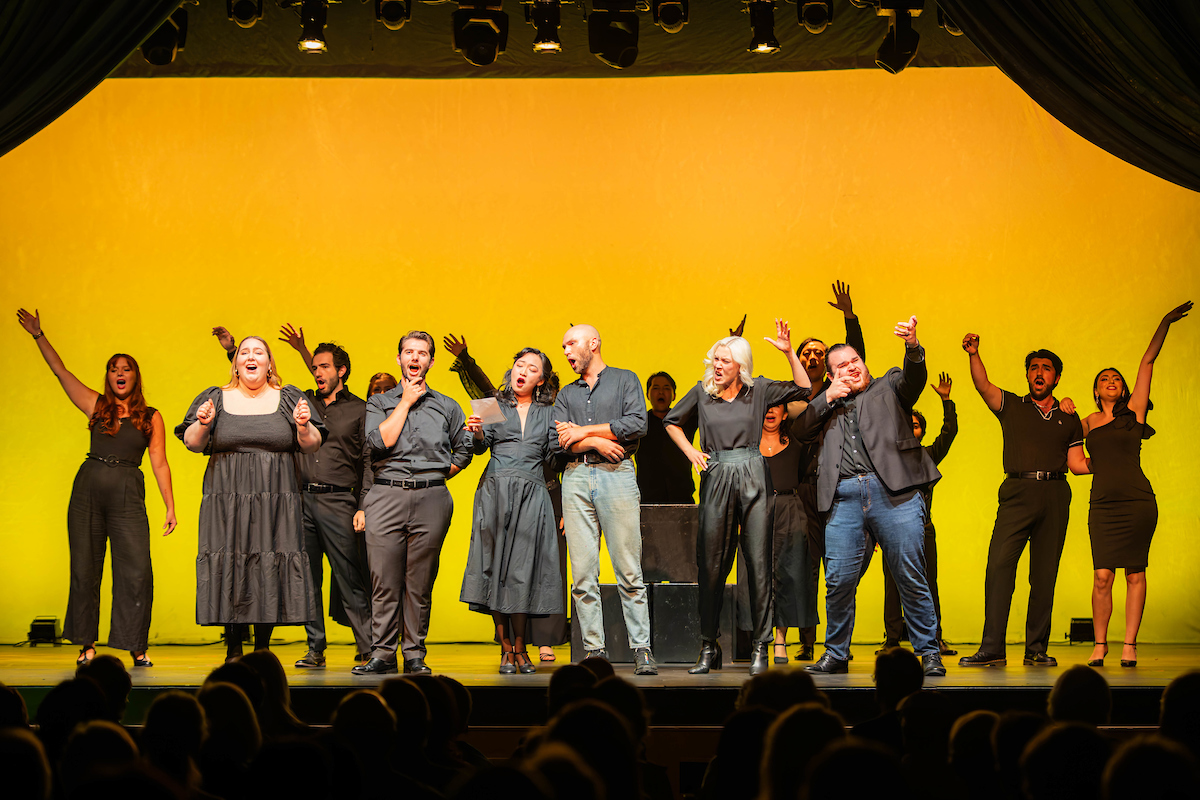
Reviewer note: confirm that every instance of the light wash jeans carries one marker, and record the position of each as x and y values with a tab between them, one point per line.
596	498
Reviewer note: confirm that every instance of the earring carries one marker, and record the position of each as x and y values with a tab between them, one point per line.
237	374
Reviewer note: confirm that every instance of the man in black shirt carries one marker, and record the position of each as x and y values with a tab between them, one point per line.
664	475
1041	441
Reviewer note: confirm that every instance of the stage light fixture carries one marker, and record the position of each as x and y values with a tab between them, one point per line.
947	24
161	47
480	31
815	16
762	26
314	15
670	15
393	13
244	12
545	16
899	47
613	32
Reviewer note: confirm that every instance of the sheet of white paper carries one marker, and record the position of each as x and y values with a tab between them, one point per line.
488	410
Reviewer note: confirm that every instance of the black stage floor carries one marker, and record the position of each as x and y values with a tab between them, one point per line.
676	699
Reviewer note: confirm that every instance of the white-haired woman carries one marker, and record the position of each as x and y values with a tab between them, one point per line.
735	486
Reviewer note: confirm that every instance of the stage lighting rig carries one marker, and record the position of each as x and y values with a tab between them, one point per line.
762	27
947	24
613	32
314	15
670	15
815	16
161	46
899	47
546	17
244	12
392	14
480	31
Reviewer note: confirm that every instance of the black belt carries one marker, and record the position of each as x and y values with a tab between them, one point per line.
595	458
1039	476
412	483
113	461
796	490
324	488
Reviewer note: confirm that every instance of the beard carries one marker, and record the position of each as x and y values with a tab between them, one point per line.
582	362
1041	394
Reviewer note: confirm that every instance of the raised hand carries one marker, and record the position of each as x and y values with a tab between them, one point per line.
841	299
293	337
971	344
943	386
610	450
453	345
206	412
741	327
413	389
1178	313
224	338
170	524
32	323
301	413
908	332
783	336
360	521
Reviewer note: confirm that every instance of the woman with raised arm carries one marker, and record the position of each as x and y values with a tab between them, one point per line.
251	568
512	567
736	501
108	503
1123	512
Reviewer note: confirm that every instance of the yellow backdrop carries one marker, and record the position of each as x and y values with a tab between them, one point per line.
660	210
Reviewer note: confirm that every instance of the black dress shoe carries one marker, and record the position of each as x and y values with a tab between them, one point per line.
983	659
759	660
416	666
376	666
828	665
888	644
1040	660
710	658
931	665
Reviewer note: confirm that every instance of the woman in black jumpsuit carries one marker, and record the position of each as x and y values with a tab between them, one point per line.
735	486
108	503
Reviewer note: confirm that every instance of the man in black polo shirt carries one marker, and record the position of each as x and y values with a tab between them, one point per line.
664	475
1041	442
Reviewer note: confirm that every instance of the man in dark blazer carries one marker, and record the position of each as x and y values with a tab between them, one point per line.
872	469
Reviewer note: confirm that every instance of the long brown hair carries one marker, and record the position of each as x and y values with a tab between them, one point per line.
107	411
273	379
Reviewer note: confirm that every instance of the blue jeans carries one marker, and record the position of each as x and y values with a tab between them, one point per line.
864	513
605	497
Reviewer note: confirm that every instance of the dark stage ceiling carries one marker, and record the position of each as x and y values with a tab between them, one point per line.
714	42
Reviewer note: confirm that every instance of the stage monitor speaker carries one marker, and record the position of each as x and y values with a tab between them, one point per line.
1081	630
669	543
616	638
45	630
675	622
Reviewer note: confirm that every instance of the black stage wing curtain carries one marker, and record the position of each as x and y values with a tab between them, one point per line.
1124	74
53	52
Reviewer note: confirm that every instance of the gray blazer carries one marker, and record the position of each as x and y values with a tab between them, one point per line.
885	419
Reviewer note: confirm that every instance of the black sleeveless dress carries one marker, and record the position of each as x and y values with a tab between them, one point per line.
1123	512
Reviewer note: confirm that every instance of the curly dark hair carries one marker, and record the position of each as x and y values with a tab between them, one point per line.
542	395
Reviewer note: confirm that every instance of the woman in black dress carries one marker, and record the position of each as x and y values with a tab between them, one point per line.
512	567
1123	511
736	500
108	503
251	567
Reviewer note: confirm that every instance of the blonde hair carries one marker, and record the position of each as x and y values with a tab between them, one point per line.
272	373
739	350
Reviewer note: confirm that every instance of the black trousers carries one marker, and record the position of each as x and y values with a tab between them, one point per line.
893	615
736	506
329	531
108	508
1033	512
405	532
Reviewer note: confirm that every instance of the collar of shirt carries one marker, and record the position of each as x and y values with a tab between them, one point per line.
581	381
1029	399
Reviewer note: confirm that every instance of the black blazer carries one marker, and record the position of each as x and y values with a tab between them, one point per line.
885	419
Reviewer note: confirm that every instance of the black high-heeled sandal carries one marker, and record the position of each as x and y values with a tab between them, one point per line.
1099	662
783	659
1127	663
84	659
141	661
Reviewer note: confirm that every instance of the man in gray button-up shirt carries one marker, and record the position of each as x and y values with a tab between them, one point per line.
420	437
599	419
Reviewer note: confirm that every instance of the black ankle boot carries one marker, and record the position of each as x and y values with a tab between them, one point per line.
710	658
759	660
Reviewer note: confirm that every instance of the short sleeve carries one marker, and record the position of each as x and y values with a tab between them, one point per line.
1007	400
211	393
289	397
778	392
1076	431
684	410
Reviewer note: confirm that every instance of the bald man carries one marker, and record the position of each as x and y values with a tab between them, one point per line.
598	422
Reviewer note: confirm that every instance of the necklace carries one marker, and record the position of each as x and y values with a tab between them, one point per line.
1045	414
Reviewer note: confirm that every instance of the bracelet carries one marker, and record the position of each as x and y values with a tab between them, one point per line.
38	335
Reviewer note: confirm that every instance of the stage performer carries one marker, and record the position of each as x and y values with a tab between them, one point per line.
598	422
893	618
871	472
108	502
664	474
381	382
419	436
546	631
735	486
1123	512
1041	441
512	566
252	567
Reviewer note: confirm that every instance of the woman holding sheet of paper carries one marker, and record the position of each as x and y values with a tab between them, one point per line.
512	567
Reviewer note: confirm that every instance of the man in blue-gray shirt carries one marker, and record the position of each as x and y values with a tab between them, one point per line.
419	435
598	421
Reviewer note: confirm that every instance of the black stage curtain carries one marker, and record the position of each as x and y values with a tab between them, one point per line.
1124	74
53	52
